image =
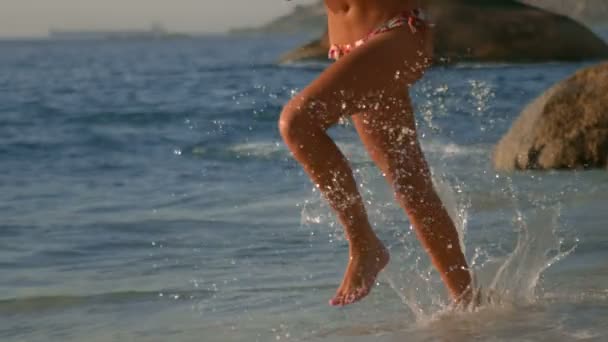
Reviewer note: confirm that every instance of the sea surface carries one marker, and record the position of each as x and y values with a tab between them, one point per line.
145	195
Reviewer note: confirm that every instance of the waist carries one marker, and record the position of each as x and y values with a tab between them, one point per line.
347	26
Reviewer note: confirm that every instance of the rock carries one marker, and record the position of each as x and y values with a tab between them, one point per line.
565	128
495	31
316	49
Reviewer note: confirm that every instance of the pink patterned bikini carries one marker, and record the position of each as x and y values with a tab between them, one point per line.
413	18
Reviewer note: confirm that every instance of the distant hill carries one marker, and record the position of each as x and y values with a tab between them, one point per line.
303	18
591	12
311	18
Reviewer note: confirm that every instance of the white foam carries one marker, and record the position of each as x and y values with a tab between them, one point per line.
261	149
454	150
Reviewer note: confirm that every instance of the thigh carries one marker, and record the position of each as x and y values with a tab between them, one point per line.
374	75
389	136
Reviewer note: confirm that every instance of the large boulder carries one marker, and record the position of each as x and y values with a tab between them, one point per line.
565	128
495	31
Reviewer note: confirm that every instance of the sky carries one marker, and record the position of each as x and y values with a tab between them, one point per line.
24	18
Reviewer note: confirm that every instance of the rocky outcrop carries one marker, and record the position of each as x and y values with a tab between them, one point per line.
314	50
496	31
565	128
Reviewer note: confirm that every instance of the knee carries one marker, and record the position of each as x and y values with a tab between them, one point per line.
295	123
286	122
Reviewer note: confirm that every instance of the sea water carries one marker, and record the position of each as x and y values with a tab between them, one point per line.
146	196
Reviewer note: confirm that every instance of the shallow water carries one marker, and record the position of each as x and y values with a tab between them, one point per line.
147	197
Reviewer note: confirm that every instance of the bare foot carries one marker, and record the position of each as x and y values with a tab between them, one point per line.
360	276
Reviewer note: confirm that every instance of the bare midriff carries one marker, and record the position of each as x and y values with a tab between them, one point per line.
351	20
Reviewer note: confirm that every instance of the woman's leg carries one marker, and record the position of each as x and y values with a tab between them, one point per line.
390	138
303	125
365	80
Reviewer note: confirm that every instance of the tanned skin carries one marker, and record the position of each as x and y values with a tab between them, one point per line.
370	85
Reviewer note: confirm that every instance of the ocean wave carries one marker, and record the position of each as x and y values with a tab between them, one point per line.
502	66
232	68
353	149
20	305
137	118
264	150
315	66
454	150
580	297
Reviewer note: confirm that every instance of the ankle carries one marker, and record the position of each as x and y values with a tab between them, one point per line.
366	246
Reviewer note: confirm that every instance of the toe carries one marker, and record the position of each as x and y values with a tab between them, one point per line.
356	296
362	292
350	298
338	300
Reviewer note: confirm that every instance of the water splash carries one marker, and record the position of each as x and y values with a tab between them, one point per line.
502	276
499	280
